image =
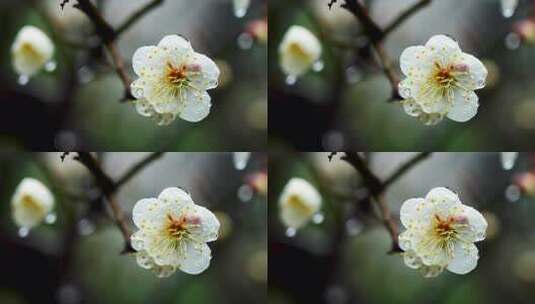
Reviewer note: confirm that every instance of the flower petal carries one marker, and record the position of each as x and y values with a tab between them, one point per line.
205	74
415	62
465	257
444	201
196	258
477	222
464	107
137	88
149	62
411	107
195	105
176	46
146	214
477	73
444	48
414	211
176	197
208	228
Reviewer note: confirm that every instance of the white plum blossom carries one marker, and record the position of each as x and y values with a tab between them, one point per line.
509	7
441	233
31	50
173	80
31	203
440	82
298	51
298	203
173	232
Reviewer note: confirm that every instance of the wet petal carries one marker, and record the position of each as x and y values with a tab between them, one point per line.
464	107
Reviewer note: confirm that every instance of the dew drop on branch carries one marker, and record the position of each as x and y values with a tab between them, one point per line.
245	41
512	193
51	218
291	80
512	41
245	193
318	218
51	66
291	232
23	232
23	80
85	227
318	66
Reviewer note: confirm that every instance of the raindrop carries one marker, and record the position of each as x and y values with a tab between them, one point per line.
353	75
85	74
318	66
240	12
508	159
318	218
512	193
23	80
23	232
245	193
85	227
512	41
291	232
241	159
353	227
51	218
245	41
51	66
291	80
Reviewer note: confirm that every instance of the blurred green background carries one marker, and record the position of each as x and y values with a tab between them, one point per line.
77	260
345	105
78	104
344	258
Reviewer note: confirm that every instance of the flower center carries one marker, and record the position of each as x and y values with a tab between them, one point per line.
444	76
297	203
176	76
30	204
297	51
177	228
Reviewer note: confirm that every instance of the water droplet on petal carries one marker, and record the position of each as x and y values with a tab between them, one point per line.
51	66
512	193
318	218
291	232
23	80
245	193
23	232
353	227
291	80
51	218
318	66
245	41
85	227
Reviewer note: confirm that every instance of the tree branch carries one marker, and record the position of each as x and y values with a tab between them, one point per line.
108	188
138	167
377	188
108	35
405	15
137	15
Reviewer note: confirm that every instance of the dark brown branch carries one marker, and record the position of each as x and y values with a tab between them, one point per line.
405	168
137	15
108	187
404	16
108	35
138	167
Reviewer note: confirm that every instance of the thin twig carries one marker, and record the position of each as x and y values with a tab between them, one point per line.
405	15
405	168
137	167
137	15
